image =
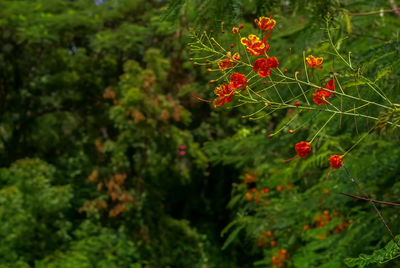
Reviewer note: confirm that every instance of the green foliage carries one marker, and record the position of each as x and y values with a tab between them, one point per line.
107	160
32	211
389	252
116	249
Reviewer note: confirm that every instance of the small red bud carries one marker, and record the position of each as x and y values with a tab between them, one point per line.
222	22
241	26
208	70
285	70
290	131
223	31
211	82
232	45
270	136
206	61
265	82
211	31
297	104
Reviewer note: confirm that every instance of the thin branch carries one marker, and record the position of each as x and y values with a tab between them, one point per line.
373	12
371	200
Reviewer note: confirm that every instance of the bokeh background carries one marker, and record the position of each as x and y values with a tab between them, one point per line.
107	160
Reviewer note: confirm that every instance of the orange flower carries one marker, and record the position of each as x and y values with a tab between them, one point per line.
321	95
263	66
225	94
313	62
238	81
255	46
303	149
336	161
249	196
265	23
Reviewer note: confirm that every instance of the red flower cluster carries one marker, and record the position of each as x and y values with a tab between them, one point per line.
336	161
250	178
341	227
254	193
226	92
321	96
278	260
263	66
236	30
288	187
323	219
313	62
229	63
255	46
303	149
238	81
264	23
266	238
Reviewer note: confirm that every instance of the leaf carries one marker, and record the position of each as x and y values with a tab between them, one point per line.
389	252
232	237
173	8
382	73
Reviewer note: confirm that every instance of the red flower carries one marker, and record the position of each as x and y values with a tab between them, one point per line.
321	95
236	56
225	94
235	30
238	81
229	63
313	62
303	149
255	46
330	86
336	161
319	100
263	66
226	63
265	23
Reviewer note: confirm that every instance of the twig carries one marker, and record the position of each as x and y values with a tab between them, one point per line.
371	200
373	204
373	12
396	9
